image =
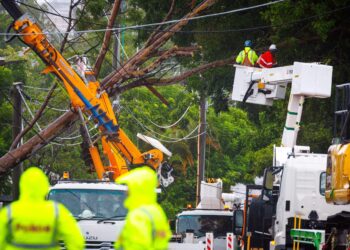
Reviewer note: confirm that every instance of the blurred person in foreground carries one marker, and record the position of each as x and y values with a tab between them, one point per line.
146	226
35	223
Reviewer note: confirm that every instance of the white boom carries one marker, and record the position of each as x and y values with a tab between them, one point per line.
263	86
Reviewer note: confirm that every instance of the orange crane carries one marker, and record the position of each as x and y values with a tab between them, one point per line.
87	97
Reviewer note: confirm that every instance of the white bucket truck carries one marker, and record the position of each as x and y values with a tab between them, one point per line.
297	200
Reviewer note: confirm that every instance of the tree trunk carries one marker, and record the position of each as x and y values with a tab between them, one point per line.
23	152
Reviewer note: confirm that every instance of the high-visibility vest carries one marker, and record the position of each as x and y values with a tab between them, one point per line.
33	234
247	57
246	60
158	232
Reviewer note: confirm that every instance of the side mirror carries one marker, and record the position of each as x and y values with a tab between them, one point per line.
237	222
268	179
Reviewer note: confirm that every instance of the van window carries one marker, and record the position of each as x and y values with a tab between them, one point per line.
323	183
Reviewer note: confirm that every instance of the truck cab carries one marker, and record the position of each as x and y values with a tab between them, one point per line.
97	206
301	197
214	214
201	221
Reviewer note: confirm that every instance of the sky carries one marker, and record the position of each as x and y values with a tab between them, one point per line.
62	6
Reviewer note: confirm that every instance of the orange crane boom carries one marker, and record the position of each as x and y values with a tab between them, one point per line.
87	97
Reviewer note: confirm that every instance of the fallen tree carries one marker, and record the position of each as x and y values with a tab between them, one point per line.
135	72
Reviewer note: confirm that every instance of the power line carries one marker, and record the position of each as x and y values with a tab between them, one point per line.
55	14
37	88
227	30
37	102
173	140
39	127
162	23
171	125
24	119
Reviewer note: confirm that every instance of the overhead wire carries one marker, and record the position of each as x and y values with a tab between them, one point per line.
36	88
39	127
22	116
142	27
163	23
173	124
61	138
172	139
92	47
37	102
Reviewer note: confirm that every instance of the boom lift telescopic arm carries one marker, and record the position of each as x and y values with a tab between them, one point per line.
87	97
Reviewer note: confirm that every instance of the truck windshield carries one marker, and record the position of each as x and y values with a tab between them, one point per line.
201	224
91	204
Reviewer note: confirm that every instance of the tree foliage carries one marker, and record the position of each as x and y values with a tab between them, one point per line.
240	138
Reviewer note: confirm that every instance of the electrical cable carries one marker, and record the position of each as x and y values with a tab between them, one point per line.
63	138
171	125
56	14
232	30
162	23
20	113
173	140
37	102
37	124
117	38
87	41
255	27
36	88
60	33
28	109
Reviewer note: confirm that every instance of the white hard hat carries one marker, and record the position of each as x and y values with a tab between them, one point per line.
272	47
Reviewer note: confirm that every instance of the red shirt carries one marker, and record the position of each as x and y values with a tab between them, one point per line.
267	60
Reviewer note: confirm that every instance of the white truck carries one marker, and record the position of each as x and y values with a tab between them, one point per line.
301	202
98	208
214	214
296	200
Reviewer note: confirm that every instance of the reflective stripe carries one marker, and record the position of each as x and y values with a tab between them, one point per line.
54	242
55	226
267	63
9	223
152	222
246	57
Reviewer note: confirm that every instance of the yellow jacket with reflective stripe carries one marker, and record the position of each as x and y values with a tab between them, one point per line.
33	220
252	56
146	226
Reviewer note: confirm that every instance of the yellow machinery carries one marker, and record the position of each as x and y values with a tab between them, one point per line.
338	164
87	97
338	173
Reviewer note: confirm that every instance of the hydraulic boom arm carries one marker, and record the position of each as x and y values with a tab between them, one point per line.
86	97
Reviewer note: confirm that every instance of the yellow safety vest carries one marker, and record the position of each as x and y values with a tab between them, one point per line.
31	233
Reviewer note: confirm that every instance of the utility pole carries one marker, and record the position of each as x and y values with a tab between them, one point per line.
116	50
201	144
16	129
118	38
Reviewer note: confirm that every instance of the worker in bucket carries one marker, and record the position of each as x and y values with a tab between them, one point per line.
146	225
35	223
247	56
268	58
